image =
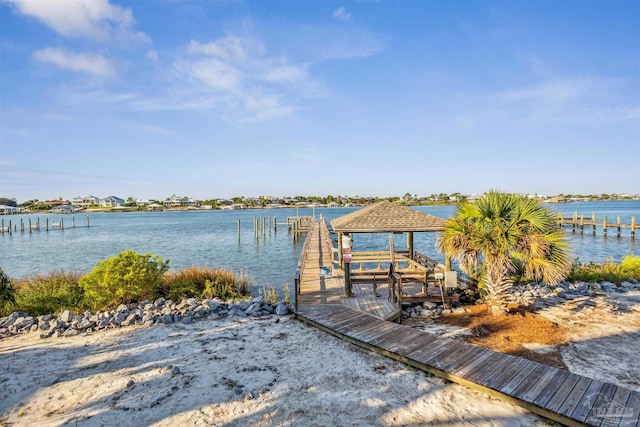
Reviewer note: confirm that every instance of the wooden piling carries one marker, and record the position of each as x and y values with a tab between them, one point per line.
3	226
47	225
618	234
581	224
10	232
575	220
633	227
87	220
275	224
73	221
61	223
21	225
29	225
238	229
604	225
593	218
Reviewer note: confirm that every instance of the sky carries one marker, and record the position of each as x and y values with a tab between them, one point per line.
216	99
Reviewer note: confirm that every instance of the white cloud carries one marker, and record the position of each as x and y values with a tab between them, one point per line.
94	19
342	14
152	55
95	65
238	79
562	90
286	73
227	48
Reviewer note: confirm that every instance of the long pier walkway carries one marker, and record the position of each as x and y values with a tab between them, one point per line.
556	394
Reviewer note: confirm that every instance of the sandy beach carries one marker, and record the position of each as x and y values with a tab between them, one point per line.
278	371
258	372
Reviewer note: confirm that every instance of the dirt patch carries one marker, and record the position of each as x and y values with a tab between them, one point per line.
520	332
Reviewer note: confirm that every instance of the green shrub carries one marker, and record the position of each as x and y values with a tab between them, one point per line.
7	294
607	271
630	267
50	293
124	278
206	282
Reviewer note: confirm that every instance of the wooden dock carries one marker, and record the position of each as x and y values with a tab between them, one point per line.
579	222
556	394
30	226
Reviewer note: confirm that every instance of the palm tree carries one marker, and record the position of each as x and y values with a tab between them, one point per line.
502	233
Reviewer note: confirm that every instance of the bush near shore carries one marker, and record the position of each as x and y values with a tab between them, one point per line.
60	290
123	279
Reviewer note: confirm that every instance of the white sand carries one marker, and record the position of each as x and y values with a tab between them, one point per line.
291	373
605	336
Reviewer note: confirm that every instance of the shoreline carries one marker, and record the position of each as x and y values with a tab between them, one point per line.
271	370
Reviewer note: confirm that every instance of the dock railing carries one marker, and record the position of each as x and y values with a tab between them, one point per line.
300	266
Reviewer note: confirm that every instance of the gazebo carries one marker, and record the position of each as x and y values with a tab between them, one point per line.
387	217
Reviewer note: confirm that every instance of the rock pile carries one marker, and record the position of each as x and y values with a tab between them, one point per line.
540	295
160	311
530	295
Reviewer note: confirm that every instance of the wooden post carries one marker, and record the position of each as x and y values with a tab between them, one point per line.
29	225
87	220
604	225
633	227
238	229
21	225
61	223
2	225
38	223
10	232
275	223
47	224
581	224
340	249
73	221
575	220
618	234
347	279
410	243
593	219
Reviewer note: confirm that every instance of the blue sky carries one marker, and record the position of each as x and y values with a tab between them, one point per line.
216	99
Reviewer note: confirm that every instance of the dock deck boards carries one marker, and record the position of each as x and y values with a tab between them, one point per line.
553	393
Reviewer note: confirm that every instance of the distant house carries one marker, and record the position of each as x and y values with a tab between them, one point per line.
85	202
111	202
8	210
175	201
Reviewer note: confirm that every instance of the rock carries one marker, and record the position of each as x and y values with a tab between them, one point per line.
159	302
254	308
166	319
282	309
186	320
85	324
71	332
44	326
560	292
33	328
213	316
429	305
119	317
122	307
66	316
130	320
214	305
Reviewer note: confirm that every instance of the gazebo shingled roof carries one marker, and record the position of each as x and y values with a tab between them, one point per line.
385	216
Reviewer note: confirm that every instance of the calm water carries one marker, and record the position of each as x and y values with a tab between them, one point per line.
211	238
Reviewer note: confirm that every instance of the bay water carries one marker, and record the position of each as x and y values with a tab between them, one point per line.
211	238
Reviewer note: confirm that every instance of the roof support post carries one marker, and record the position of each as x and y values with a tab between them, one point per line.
410	243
